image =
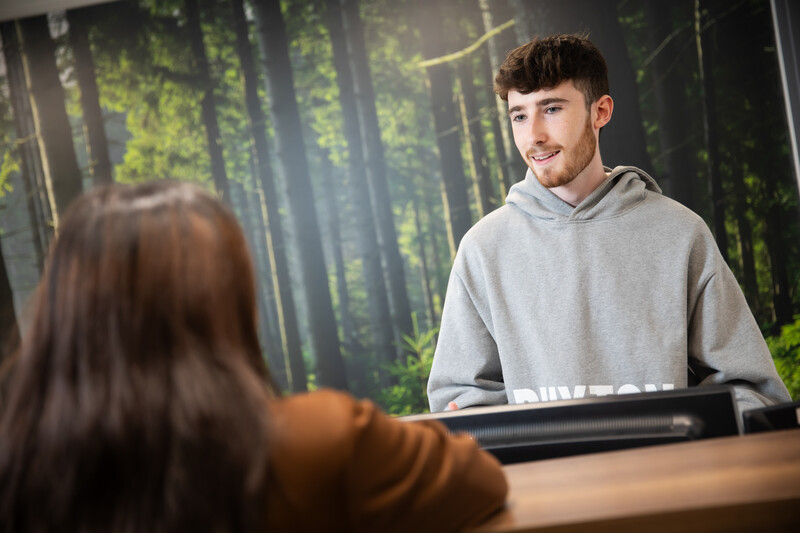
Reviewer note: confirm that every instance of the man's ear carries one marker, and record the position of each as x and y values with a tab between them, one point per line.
604	108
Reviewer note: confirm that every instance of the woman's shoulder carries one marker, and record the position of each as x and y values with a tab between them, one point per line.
324	401
323	418
374	472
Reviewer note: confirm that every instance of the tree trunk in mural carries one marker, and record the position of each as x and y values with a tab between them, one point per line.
62	174
269	314
494	13
454	186
9	334
749	281
704	58
498	124
209	110
357	367
433	319
367	238
294	165
440	269
485	198
94	130
672	79
276	249
253	226
392	261
781	300
30	158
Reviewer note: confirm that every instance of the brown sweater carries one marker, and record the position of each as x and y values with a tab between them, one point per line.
338	464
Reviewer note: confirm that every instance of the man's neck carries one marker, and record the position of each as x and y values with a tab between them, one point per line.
584	183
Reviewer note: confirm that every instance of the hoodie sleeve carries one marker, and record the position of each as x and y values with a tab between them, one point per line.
466	365
725	343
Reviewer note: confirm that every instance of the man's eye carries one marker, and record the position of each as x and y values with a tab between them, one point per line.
551	110
518	118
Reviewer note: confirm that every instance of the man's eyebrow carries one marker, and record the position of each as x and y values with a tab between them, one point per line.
541	103
548	101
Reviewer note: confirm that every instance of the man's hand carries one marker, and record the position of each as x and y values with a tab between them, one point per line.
452	407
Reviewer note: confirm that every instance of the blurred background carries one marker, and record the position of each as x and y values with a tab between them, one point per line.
357	141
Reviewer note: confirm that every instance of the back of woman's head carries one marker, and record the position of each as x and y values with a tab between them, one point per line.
137	401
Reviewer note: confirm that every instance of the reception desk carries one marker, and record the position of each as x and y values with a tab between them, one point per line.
742	483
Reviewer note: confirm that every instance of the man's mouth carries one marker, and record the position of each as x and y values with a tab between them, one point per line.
544	158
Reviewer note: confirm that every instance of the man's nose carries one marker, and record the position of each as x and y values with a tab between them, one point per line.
538	132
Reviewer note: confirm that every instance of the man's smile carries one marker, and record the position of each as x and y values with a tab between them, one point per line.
544	158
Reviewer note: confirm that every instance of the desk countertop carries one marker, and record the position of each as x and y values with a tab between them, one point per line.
742	483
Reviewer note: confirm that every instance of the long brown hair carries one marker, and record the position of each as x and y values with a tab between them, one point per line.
138	399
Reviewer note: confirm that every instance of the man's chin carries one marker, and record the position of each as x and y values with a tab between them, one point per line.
552	182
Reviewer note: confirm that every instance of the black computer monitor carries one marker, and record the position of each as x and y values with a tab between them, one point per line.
772	418
526	432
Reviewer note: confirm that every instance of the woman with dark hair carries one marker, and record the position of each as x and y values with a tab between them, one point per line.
139	400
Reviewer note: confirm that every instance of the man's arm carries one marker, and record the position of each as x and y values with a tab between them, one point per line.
466	367
726	345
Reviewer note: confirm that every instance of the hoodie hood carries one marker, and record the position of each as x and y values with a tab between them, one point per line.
622	190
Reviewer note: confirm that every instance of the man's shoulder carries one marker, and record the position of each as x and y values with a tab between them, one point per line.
491	226
665	209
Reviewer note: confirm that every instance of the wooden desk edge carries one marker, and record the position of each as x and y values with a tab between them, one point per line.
777	512
774	516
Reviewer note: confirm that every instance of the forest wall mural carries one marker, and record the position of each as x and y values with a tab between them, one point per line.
357	141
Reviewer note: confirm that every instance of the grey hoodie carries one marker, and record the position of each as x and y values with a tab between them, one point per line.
625	292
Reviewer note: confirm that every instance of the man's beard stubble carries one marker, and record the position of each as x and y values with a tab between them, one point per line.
574	163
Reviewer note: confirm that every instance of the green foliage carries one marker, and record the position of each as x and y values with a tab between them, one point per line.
8	166
785	349
10	162
311	381
410	394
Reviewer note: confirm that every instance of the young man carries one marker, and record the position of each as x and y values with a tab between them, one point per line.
588	282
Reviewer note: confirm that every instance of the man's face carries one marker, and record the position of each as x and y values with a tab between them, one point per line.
553	132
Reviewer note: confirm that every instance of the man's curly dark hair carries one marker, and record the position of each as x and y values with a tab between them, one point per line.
545	63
